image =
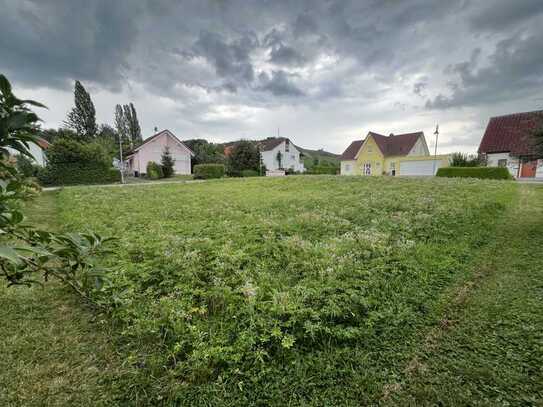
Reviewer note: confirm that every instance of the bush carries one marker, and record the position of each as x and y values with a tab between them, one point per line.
154	170
250	173
208	171
324	169
464	160
70	162
26	166
475	172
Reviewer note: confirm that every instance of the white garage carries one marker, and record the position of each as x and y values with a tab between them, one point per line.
420	167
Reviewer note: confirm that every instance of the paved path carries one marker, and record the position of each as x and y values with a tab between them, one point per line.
135	184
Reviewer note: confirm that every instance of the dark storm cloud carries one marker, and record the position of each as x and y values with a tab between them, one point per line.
231	60
279	84
48	43
498	15
352	58
514	69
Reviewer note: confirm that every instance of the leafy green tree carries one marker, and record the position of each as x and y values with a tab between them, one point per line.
244	156
167	162
29	255
205	152
54	134
107	137
134	125
82	117
464	160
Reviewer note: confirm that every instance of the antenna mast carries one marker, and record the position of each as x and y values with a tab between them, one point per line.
436	133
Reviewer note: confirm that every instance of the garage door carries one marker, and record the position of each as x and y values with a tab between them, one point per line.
419	168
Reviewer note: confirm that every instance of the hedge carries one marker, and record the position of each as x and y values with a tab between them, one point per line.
475	172
323	169
207	171
74	174
250	173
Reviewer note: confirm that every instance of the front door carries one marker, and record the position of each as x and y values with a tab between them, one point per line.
528	169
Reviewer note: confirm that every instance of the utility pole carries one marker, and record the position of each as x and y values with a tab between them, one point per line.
121	163
436	133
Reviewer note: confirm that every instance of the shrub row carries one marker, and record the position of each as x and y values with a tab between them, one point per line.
475	172
73	174
323	169
208	171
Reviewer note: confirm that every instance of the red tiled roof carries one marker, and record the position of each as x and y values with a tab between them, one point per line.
397	144
270	143
352	150
43	143
511	133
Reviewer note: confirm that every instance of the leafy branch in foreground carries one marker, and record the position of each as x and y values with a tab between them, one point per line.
29	255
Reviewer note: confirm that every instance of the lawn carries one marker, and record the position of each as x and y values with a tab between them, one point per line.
316	291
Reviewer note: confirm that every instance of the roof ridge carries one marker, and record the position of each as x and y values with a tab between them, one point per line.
517	114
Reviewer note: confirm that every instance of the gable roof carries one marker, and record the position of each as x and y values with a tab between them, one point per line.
396	144
43	143
511	133
351	151
271	142
155	136
393	145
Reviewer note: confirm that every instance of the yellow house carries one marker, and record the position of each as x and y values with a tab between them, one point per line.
401	154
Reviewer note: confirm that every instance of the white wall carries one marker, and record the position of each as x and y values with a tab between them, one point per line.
36	151
512	162
420	148
290	159
152	151
348	167
539	171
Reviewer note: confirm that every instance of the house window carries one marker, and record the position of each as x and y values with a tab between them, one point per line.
393	168
502	163
367	169
348	167
287	145
370	150
292	157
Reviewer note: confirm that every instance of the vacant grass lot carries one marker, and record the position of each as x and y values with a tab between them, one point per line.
304	290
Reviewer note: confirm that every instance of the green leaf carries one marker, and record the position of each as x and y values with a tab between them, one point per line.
10	254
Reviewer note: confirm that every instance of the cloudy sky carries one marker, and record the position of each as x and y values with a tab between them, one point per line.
324	71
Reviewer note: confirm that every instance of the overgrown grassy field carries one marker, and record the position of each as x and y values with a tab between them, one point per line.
302	290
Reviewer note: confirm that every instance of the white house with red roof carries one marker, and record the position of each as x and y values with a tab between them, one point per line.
152	149
279	153
508	142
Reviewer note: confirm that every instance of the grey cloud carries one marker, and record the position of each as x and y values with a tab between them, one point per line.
53	43
231	60
279	84
515	68
498	15
285	55
419	87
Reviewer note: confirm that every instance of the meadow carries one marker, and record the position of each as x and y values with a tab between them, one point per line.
301	290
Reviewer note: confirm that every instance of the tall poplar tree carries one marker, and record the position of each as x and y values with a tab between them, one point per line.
82	117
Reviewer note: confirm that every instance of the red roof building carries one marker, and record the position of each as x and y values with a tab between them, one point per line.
508	142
